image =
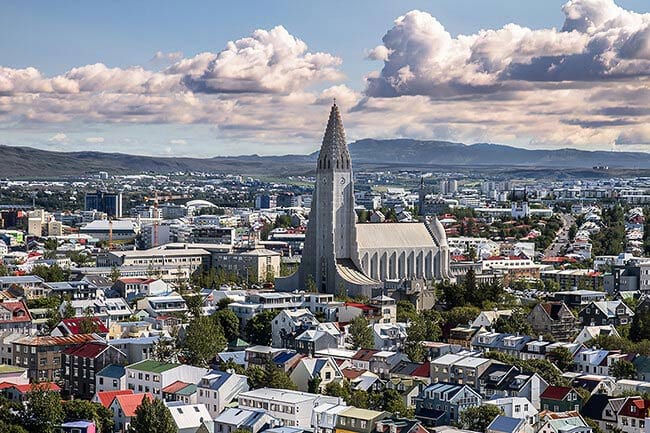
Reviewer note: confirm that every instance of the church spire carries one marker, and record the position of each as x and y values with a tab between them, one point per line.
334	150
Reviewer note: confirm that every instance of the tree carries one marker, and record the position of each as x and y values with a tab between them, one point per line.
360	334
393	402
423	327
310	284
516	323
258	329
165	350
68	310
313	385
461	316
478	418
406	311
87	324
115	274
43	411
623	369
229	322
3	270
50	244
52	273
152	417
194	304
203	340
561	357
640	328
83	409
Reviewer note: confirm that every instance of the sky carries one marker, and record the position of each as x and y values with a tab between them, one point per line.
227	78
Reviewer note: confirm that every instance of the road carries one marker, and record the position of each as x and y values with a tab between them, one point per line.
562	236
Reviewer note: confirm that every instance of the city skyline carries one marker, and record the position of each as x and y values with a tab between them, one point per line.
154	81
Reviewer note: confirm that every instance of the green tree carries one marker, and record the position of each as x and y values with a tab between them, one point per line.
258	329
460	316
194	304
640	328
623	369
311	284
561	357
87	324
229	322
165	349
478	418
152	417
360	334
516	323
423	327
43	411
393	402
203	340
406	311
313	385
84	409
3	270
68	310
51	244
115	274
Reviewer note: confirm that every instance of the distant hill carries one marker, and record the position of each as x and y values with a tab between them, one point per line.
407	151
27	162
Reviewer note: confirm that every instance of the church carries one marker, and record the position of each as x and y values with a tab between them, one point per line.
342	256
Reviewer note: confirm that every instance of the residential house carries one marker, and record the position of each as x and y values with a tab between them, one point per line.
489	318
179	391
362	379
152	376
110	378
163	305
614	313
15	317
78	427
603	410
579	298
325	417
292	408
358	420
136	349
389	336
463	335
80	325
289	324
322	370
218	388
252	420
502	380
123	407
560	399
409	389
42	355
517	407
633	415
508	424
82	289
443	403
642	365
588	333
594	384
82	361
552	318
133	288
190	418
27	286
18	393
13	374
314	340
399	425
105	398
562	422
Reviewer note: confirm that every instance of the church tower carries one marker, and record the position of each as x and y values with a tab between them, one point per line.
331	228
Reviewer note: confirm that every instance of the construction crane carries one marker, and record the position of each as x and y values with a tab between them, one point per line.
110	233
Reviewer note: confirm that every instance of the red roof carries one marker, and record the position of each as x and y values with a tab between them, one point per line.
352	373
137	280
106	397
18	311
86	350
640	406
423	370
130	402
55	341
556	392
360	306
365	354
73	325
175	387
44	386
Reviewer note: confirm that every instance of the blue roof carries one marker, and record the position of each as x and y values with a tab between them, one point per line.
283	357
238	357
504	424
216	383
78	424
112	370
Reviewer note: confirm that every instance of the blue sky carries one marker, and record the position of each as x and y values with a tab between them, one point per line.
55	37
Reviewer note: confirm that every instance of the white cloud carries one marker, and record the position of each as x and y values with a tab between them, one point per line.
94	140
599	41
58	138
179	142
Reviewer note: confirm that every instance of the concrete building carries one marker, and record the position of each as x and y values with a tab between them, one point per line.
343	256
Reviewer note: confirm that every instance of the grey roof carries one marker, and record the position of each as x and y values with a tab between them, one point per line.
21	279
334	146
504	424
112	370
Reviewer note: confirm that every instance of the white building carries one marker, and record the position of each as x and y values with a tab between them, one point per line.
288	322
152	376
190	417
293	408
218	388
516	407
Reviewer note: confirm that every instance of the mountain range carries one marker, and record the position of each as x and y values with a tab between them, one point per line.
27	162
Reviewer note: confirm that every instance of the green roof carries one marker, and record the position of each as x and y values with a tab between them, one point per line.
153	366
188	390
10	369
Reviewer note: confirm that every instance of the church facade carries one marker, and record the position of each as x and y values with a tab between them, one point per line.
342	256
